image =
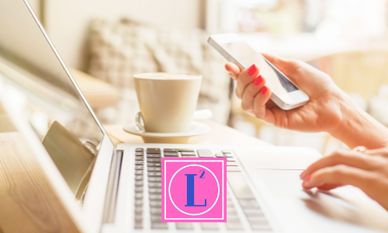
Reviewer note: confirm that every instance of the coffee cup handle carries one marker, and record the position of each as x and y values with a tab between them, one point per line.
139	121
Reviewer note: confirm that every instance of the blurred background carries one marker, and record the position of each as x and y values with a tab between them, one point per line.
106	42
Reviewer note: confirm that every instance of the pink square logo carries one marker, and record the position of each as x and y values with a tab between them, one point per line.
193	189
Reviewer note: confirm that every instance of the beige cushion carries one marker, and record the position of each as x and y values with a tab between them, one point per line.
120	49
98	93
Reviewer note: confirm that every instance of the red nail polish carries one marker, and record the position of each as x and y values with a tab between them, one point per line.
264	90
252	70
258	80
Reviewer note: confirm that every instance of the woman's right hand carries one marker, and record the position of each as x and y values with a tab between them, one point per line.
321	113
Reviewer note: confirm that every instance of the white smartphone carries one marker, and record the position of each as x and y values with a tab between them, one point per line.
285	93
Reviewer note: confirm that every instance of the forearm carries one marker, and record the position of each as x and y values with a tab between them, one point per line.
358	128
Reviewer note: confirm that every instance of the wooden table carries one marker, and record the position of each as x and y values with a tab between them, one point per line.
219	134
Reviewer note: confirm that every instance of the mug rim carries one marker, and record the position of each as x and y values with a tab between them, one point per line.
172	76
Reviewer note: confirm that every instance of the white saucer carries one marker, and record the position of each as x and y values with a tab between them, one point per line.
196	129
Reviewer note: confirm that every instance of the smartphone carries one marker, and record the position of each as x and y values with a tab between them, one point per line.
285	94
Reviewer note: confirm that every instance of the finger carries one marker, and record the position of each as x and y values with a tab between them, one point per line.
245	78
349	158
259	102
340	175
369	182
232	68
383	152
328	187
288	67
250	92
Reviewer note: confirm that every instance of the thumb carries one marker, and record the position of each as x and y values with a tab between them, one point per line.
286	66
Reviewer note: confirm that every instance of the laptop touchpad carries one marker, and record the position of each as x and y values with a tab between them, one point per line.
342	209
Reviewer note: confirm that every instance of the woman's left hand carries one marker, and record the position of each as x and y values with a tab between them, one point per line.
366	170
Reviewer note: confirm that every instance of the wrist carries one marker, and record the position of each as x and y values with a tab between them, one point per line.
358	128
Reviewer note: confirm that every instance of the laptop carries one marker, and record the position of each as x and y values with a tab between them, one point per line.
116	188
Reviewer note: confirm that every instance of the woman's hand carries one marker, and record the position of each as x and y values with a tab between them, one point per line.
322	112
329	108
367	171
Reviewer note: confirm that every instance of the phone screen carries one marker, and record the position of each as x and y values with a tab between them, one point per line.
289	86
246	55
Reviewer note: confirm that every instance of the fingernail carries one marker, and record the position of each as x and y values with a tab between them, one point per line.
252	70
306	182
263	90
305	185
258	80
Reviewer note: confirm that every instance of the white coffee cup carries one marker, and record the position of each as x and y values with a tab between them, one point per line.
167	101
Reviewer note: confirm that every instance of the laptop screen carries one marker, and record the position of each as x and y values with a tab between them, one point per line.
53	106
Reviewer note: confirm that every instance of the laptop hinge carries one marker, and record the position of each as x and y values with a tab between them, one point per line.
112	187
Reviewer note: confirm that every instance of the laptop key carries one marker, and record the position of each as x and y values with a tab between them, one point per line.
233	219
153	165
258	221
154	190
209	226
154	185
139	150
231	226
139	202
205	153
138	225
153	160
153	151
230	169
184	226
156	156
263	228
170	150
154	169
186	150
227	152
188	154
155	197
253	213
155	203
154	179
171	154
154	174
159	226
156	211
249	203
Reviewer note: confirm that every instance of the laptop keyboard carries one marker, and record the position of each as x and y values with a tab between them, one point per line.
148	172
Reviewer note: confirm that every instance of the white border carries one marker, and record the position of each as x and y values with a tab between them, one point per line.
222	189
215	201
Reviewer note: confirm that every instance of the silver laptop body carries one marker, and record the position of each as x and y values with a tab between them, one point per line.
123	193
